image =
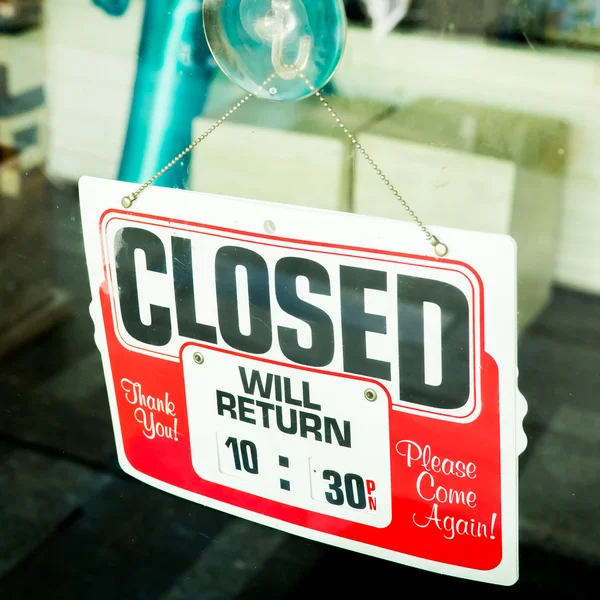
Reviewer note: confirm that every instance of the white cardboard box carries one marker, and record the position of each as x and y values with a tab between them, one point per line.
290	152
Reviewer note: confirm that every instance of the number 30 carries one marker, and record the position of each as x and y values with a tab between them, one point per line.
354	486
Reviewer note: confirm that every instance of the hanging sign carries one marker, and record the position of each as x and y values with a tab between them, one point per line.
320	372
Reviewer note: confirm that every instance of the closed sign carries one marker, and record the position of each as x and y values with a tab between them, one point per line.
320	372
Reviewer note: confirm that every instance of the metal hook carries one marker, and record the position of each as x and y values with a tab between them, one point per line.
289	71
281	10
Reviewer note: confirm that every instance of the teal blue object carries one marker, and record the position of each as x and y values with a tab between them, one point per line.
113	7
175	68
277	49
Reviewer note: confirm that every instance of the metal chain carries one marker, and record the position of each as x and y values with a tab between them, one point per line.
440	248
127	201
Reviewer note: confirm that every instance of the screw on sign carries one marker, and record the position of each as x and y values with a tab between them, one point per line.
329	379
370	395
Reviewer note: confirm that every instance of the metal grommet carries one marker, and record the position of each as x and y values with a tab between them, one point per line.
198	358
126	202
441	249
370	395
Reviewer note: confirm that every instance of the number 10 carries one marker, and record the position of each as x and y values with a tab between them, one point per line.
248	452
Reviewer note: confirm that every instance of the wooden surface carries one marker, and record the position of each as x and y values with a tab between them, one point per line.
72	525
